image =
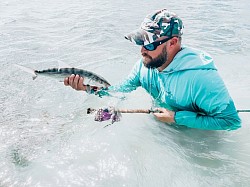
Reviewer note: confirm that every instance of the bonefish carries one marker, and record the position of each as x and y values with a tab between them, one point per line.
61	73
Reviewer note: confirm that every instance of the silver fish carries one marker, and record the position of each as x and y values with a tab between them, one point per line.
61	73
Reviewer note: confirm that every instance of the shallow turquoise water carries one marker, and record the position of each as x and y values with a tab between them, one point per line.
47	139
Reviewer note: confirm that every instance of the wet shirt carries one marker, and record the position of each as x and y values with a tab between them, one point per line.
190	86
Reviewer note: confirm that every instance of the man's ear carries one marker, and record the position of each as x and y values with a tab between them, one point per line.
173	41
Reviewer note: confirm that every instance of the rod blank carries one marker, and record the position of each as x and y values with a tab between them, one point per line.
145	111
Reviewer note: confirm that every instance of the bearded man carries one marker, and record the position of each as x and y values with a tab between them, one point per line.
183	81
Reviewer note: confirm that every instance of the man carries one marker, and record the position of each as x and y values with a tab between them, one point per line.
184	81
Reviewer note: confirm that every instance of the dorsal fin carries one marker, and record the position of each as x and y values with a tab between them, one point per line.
62	64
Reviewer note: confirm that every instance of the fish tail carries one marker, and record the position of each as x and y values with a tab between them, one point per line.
28	70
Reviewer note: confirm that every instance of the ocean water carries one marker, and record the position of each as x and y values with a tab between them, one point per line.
46	137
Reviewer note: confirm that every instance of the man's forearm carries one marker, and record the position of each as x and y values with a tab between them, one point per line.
195	120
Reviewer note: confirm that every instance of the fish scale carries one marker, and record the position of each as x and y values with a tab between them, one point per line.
62	73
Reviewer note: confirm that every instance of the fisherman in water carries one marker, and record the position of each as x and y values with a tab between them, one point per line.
184	81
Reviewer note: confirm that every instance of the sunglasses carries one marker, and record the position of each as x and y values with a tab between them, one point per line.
154	45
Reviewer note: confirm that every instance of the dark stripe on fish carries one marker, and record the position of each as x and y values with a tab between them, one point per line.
80	72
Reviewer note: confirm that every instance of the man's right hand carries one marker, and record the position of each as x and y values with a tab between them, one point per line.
76	82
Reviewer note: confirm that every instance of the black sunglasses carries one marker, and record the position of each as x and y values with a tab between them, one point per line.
154	45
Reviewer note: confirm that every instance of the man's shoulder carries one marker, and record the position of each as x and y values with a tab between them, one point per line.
191	59
206	78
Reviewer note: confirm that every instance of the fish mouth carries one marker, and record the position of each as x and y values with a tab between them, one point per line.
107	85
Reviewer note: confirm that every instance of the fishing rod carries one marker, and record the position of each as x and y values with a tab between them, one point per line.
243	110
103	114
145	111
91	110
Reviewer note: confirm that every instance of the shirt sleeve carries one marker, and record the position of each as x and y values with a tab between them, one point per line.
215	107
132	82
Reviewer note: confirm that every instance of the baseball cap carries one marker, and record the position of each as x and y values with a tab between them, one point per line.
160	23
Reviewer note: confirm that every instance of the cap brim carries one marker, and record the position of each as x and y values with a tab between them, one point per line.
141	37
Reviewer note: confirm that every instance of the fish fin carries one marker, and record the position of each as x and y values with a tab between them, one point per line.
88	81
28	70
62	64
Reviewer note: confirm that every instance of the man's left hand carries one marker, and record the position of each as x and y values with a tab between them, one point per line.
164	115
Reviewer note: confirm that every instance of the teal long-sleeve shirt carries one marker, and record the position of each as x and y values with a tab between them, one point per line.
190	86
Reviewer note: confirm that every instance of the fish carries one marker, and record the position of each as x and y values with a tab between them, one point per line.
64	71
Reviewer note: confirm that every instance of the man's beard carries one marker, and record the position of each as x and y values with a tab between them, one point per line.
158	61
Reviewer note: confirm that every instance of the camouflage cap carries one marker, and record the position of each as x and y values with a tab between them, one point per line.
156	25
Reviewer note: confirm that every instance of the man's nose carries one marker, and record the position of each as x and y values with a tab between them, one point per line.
143	50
